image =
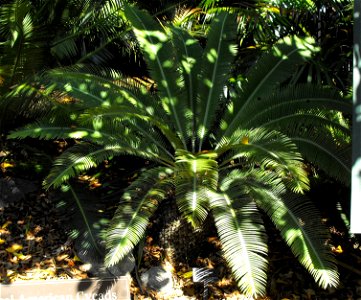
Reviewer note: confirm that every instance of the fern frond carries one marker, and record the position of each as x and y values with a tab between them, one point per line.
137	205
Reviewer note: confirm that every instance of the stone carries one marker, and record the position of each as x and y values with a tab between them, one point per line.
158	279
14	189
123	268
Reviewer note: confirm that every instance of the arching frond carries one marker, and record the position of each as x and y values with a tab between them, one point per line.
159	54
86	225
189	53
216	60
142	122
271	69
84	156
52	132
301	228
90	90
240	228
22	47
271	151
320	149
195	177
293	100
137	205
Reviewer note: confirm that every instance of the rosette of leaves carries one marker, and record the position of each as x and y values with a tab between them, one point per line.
235	155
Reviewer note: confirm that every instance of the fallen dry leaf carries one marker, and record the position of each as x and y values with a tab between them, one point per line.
13	248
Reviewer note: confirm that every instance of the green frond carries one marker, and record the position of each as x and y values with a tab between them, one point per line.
22	104
271	151
293	100
320	148
90	90
84	156
271	70
86	225
303	121
141	122
159	53
195	176
189	53
21	48
64	48
51	132
137	205
216	61
244	244
300	226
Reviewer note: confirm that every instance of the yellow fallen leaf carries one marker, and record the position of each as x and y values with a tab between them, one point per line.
186	274
13	248
22	256
2	241
6	165
76	258
62	257
6	224
337	249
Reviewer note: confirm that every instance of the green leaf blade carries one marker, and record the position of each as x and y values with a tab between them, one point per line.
137	205
216	61
241	232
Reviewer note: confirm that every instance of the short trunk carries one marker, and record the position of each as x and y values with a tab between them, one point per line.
181	243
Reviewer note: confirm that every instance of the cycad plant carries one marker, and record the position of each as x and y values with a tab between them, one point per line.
233	152
37	36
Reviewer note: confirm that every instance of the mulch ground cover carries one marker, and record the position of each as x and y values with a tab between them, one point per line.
33	245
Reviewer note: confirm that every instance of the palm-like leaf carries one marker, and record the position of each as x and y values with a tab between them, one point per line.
87	225
295	217
300	226
85	156
325	153
196	176
159	54
271	70
271	150
38	36
216	60
138	204
240	228
189	54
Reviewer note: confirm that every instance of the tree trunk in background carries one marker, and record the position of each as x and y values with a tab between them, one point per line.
356	134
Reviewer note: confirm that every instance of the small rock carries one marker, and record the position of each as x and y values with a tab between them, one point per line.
158	279
14	189
123	268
